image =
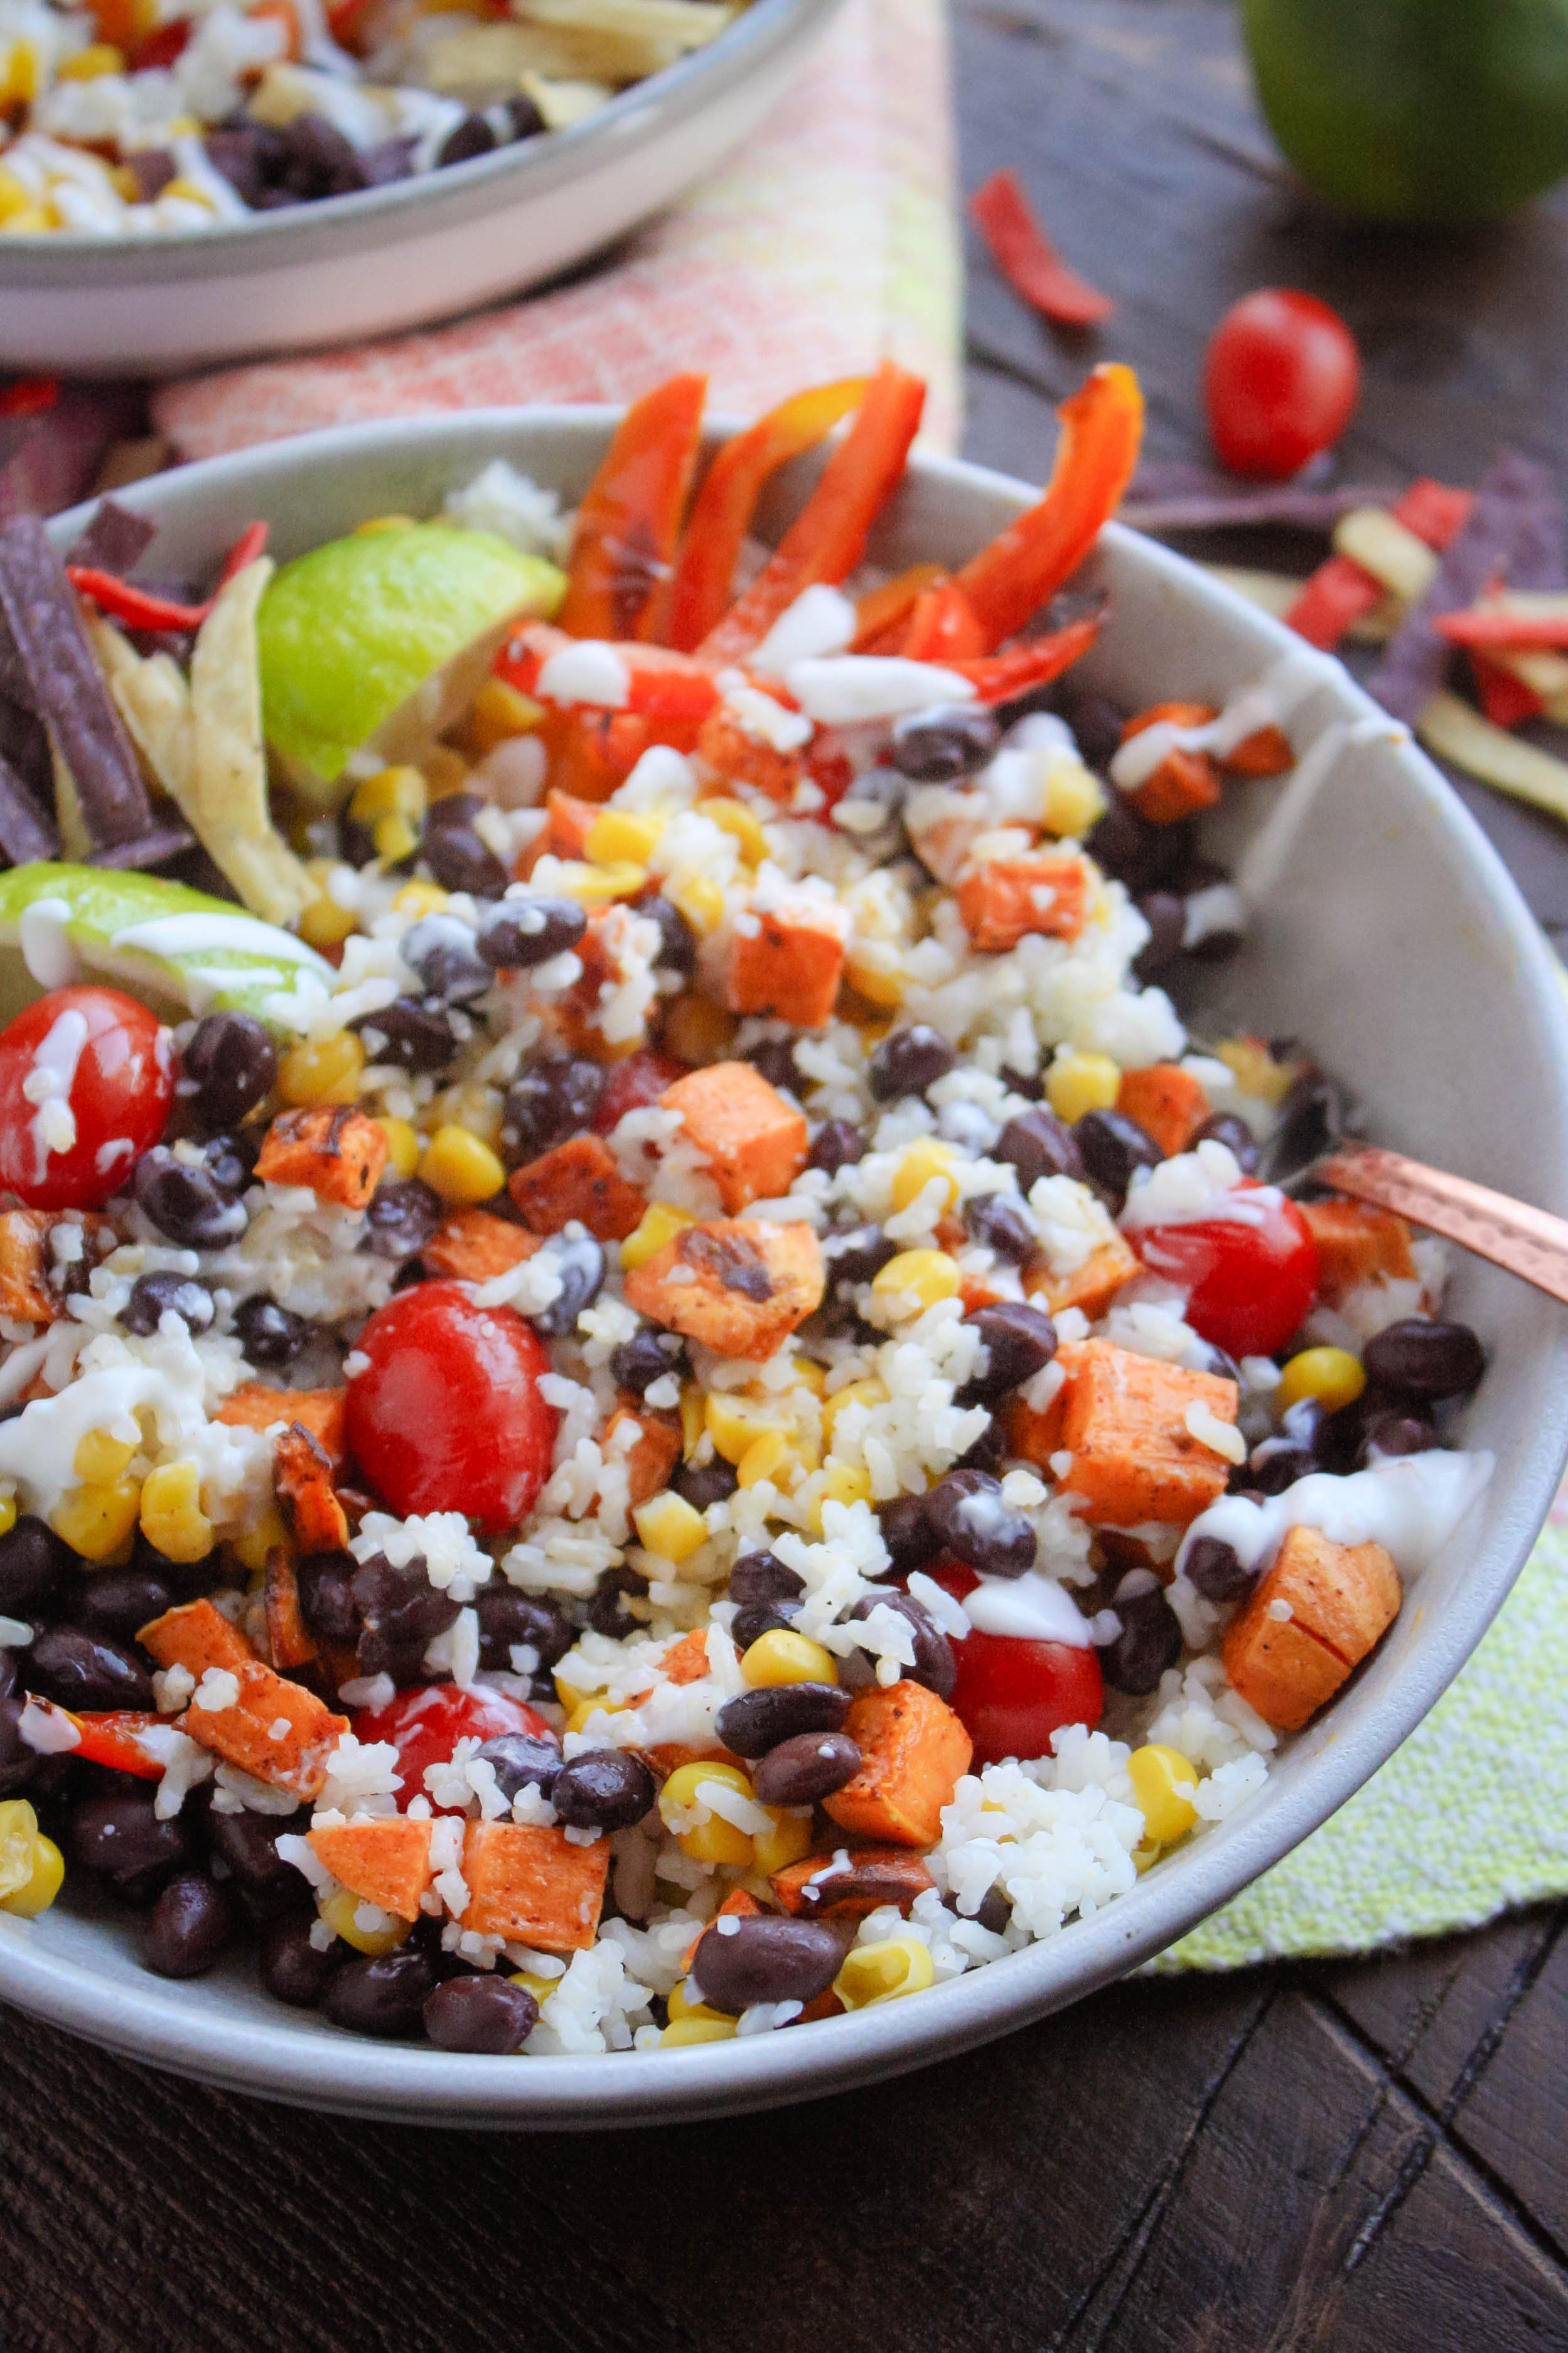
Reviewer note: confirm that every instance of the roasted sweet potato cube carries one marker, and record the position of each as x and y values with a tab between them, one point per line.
27	1292
1033	1437
195	1636
579	1179
786	961
571	823
1124	1423
1357	1244
1167	1103
753	1140
1185	782
386	1862
1319	1611
686	1662
737	1905
289	1638
330	1148
323	1412
475	1246
302	1475
822	1887
529	1880
913	1750
277	1730
653	1453
1092	1286
738	1285
1005	899
723	745
1266	753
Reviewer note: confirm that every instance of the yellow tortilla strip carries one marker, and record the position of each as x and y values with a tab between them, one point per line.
227	806
151	696
76	842
1456	733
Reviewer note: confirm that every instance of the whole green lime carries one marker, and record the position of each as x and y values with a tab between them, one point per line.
1437	110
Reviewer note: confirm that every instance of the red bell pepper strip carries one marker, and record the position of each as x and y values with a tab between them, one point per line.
722	510
112	1739
1340	593
1028	260
942	628
627	525
880	613
664	684
1001	678
1102	425
1506	700
826	539
250	544
29	395
1514	632
122	601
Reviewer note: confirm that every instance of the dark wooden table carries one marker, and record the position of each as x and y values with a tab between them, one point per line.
1366	2157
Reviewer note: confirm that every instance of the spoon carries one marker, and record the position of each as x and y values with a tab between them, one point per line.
1528	1242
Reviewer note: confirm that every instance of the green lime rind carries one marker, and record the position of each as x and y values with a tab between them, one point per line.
183	951
349	633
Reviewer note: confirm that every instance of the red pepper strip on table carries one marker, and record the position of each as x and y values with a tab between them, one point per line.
826	540
722	510
112	1739
1102	425
29	396
1339	594
1506	700
622	548
942	628
1026	257
1514	632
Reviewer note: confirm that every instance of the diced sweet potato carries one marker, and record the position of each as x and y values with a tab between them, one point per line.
323	1412
1267	753
1005	899
753	1140
387	1861
579	1179
529	1880
1167	1103
289	1638
686	1662
786	961
738	1285
654	1454
27	1289
1341	1600
571	821
330	1148
195	1636
475	1246
823	1888
1092	1286
1357	1244
913	1750
723	745
302	1475
1124	1423
737	1905
277	1730
1033	1437
1185	782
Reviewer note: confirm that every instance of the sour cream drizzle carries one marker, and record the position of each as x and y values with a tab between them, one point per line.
1032	1608
196	934
1409	1503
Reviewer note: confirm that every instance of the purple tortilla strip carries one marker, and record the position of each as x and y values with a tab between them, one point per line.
1514	510
67	687
25	832
114	541
55	460
25	746
150	848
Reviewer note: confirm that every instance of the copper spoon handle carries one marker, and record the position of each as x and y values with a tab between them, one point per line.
1528	1242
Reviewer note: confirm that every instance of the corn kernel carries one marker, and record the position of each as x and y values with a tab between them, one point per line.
191	191
659	1224
1146	1852
323	923
782	1656
100	1458
669	1527
1255	1070
845	1483
7	1515
734	1423
20	85
1162	1782
926	1276
172	1520
681	2031
618	836
43	1884
420	898
766	1458
98	57
252	1546
734	819
1332	1375
693	1423
786	1843
701	902
95	1521
403	1145
540	1988
1077	1083
338	1911
596	886
713	1839
924	1161
383	522
322	1071
876	972
681	2006
696	1031
391	791
868	1392
14	198
885	1972
1075	800
460	1168
499	712
19	1835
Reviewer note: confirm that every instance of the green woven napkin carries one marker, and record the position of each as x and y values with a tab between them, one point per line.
1469	1817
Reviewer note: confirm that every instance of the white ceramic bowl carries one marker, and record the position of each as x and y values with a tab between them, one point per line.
401	256
1390	936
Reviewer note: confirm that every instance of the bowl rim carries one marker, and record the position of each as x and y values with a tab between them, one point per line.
535	169
308	2063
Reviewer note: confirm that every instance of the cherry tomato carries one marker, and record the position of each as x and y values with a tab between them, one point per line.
87	1080
632	1084
1249	1279
447	1417
1280	381
424	1725
1012	1694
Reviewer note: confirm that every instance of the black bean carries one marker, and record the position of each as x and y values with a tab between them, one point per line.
10	1673
970	1517
326	1596
1217	1568
527	122
229	1065
381	1995
580	1266
1166	916
1149	1642
472	136
320	161
645	1358
810	1765
761	1577
247	1842
230	1159
33	1560
408	1036
400	1610
856	1256
1020	1342
387	159
769	1959
522	1759
1111	1146
603	1789
293	1969
759	1720
997	1221
677	940
455	854
507	1617
773	1060
988	1452
909	1536
933	747
908	1063
935	1665
836	1144
152	168
154	1296
524	932
187	1203
481	2013
759	1618
701	1484
190	1922
444	952
555	1099
87	1671
1397	1434
1422	1359
607	1612
268	1334
17	1761
1277	1463
122	1602
404	1213
1311	1121
121	1839
1225	1128
1037	1144
996	1911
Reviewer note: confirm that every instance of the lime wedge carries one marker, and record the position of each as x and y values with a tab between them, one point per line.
382	640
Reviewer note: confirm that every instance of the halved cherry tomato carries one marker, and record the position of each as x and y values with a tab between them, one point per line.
640	1079
87	1080
424	1725
1249	1279
1280	382
448	1416
1012	1694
